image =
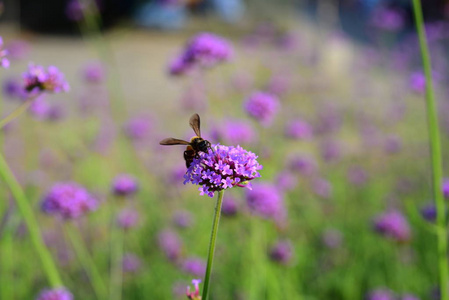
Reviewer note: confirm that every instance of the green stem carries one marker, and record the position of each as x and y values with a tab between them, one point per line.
87	262
26	210
213	239
17	112
435	148
116	264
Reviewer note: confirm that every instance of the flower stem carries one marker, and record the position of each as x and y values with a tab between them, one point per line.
17	112
435	148
213	239
87	262
26	210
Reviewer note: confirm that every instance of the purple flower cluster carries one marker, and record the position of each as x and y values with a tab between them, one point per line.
221	168
137	128
332	238
94	72
195	295
262	106
388	19
229	207
4	62
266	201
445	187
56	294
298	130
131	263
236	132
282	252
128	218
194	266
394	225
170	244
124	185
38	79
69	200
429	212
183	219
380	294
203	50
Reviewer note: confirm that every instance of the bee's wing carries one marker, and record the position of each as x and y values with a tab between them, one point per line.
173	141
195	124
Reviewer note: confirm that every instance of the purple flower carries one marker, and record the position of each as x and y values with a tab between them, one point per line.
302	164
128	218
204	50
418	82
131	263
393	144
18	49
394	225
94	72
195	295
222	167
236	132
74	10
182	219
322	188
262	106
266	201
282	252
388	19
56	294
409	297
40	108
332	238
279	84
429	212
446	187
330	151
4	62
194	266
138	128
38	79
229	207
69	200
12	88
298	130
380	294
170	244
357	176
286	181
124	185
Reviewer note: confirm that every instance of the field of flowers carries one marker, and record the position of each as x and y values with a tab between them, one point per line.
319	147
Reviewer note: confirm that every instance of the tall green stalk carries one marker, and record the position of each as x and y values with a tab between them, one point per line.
435	148
213	239
26	210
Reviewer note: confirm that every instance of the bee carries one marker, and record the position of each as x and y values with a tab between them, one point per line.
197	143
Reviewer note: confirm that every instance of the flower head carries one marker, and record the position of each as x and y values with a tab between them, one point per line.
128	218
446	187
394	225
124	185
229	207
138	128
68	200
236	132
266	201
183	219
4	62
262	106
131	263
56	294
203	50
281	252
298	130
195	266
221	168
39	79
429	212
380	294
94	72
170	244
195	295
331	238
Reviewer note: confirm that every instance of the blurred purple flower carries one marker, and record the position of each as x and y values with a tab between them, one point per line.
138	128
18	49
204	50
279	84
40	108
418	82
94	72
329	120
266	200
124	185
322	188
332	238
429	212
12	88
131	263
195	295
445	187
330	151
170	244
302	164
380	294
298	130
388	19
229	207
38	79
56	294
194	266
394	225
286	181
282	252
221	168
357	176
409	297
128	218
74	10
262	106
183	219
4	62
69	200
236	132
393	144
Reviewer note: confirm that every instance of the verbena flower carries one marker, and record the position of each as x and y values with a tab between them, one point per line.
357	176
204	50
266	200
69	200
418	82
236	132
195	295
183	219
429	212
388	19
332	238
128	218
303	164
445	187
18	49
262	106
380	294
94	72
229	207
194	266
282	252
286	181
409	297
131	263
170	244
4	62
298	130
56	294
394	225
12	88
38	79
222	167
124	185
138	128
